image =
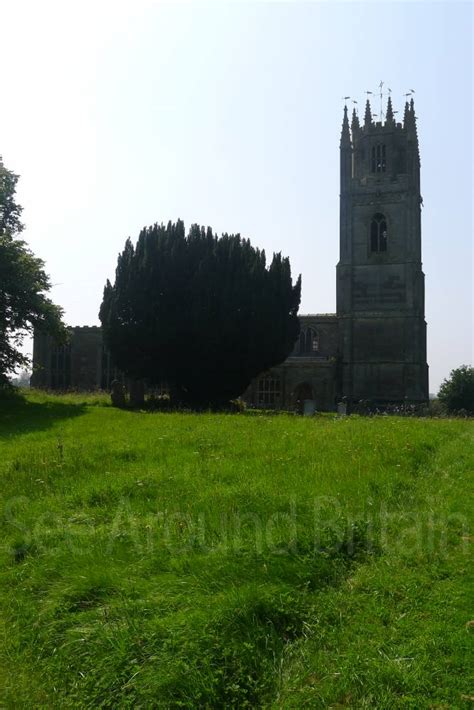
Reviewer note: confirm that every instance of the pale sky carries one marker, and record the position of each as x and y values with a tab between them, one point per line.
120	114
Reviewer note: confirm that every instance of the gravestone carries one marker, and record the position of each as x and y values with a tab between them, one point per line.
117	394
342	409
309	407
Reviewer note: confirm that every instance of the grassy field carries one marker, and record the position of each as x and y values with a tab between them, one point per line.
245	560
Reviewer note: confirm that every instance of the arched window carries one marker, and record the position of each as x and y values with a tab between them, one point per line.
378	233
379	161
269	390
309	341
61	367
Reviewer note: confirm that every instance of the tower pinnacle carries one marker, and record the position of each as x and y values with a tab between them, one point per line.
409	123
406	115
355	126
368	115
389	117
345	134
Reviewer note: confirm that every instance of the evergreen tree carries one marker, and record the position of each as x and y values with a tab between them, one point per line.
23	285
202	313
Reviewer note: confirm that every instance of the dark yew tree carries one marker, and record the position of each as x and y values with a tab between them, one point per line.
24	284
202	313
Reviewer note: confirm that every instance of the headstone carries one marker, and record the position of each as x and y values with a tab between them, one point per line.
342	409
117	394
309	407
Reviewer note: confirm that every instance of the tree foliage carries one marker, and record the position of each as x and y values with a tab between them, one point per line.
10	211
23	285
203	313
457	391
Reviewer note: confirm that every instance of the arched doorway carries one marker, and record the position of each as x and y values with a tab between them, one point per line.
301	392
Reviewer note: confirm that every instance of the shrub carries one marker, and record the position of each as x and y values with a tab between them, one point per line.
457	391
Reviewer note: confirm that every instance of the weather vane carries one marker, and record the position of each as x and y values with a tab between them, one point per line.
381	99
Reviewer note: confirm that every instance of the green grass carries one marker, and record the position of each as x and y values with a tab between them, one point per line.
213	560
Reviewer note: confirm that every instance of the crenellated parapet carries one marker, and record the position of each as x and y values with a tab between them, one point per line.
351	134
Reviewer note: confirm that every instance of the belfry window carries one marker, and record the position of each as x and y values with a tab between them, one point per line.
378	158
309	342
269	390
378	233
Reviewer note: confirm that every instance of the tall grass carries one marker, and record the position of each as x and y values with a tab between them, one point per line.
216	560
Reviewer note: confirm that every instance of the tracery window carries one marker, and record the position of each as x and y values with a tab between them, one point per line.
309	342
379	159
61	366
378	233
269	391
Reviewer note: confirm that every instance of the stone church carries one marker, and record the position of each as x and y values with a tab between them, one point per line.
374	347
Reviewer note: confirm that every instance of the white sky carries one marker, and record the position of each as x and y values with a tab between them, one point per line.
120	114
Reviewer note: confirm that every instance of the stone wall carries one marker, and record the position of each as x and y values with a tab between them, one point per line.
75	365
304	376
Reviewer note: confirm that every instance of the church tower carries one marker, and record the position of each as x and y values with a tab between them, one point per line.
380	282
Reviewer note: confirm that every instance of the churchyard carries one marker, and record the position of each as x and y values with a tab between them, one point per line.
233	560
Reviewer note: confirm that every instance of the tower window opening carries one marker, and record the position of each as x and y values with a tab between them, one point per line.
309	342
378	234
378	158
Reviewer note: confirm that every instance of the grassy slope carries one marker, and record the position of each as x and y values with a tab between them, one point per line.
224	560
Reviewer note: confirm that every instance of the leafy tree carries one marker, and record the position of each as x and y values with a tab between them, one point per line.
203	313
457	392
23	285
